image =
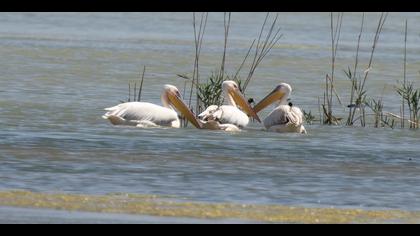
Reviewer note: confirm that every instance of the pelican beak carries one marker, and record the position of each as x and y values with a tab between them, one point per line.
275	95
242	102
177	102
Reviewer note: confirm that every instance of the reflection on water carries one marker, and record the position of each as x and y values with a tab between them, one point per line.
60	72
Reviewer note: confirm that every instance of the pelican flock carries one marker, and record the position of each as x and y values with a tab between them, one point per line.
232	116
144	114
285	117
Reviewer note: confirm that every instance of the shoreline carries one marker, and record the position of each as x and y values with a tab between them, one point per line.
151	208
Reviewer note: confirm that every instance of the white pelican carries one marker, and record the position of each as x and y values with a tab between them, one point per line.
228	117
144	114
285	117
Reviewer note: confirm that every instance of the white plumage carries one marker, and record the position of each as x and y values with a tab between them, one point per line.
228	117
225	114
285	117
142	114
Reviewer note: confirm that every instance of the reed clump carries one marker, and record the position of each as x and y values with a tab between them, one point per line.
330	91
411	97
209	92
358	82
359	98
309	117
381	120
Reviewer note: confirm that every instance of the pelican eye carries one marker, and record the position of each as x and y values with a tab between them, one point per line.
279	87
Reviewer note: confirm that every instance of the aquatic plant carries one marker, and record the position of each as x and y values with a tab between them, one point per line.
226	23
409	95
309	118
404	75
262	48
198	42
329	118
136	94
412	98
209	92
381	120
352	76
358	90
141	84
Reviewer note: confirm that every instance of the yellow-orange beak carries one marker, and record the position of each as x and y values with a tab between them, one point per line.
177	102
274	96
241	101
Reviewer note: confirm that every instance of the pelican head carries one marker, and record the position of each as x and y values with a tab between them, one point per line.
279	94
172	97
205	115
236	98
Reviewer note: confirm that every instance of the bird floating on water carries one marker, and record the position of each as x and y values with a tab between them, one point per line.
285	117
145	114
230	117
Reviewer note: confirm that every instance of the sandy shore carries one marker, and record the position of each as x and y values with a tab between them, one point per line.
31	207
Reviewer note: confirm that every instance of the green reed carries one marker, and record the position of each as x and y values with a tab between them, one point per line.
411	96
358	91
358	82
209	92
380	118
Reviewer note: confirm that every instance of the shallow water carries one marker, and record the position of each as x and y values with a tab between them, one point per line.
184	211
11	215
59	70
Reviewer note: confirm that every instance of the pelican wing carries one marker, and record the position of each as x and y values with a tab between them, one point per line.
227	114
284	115
138	112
